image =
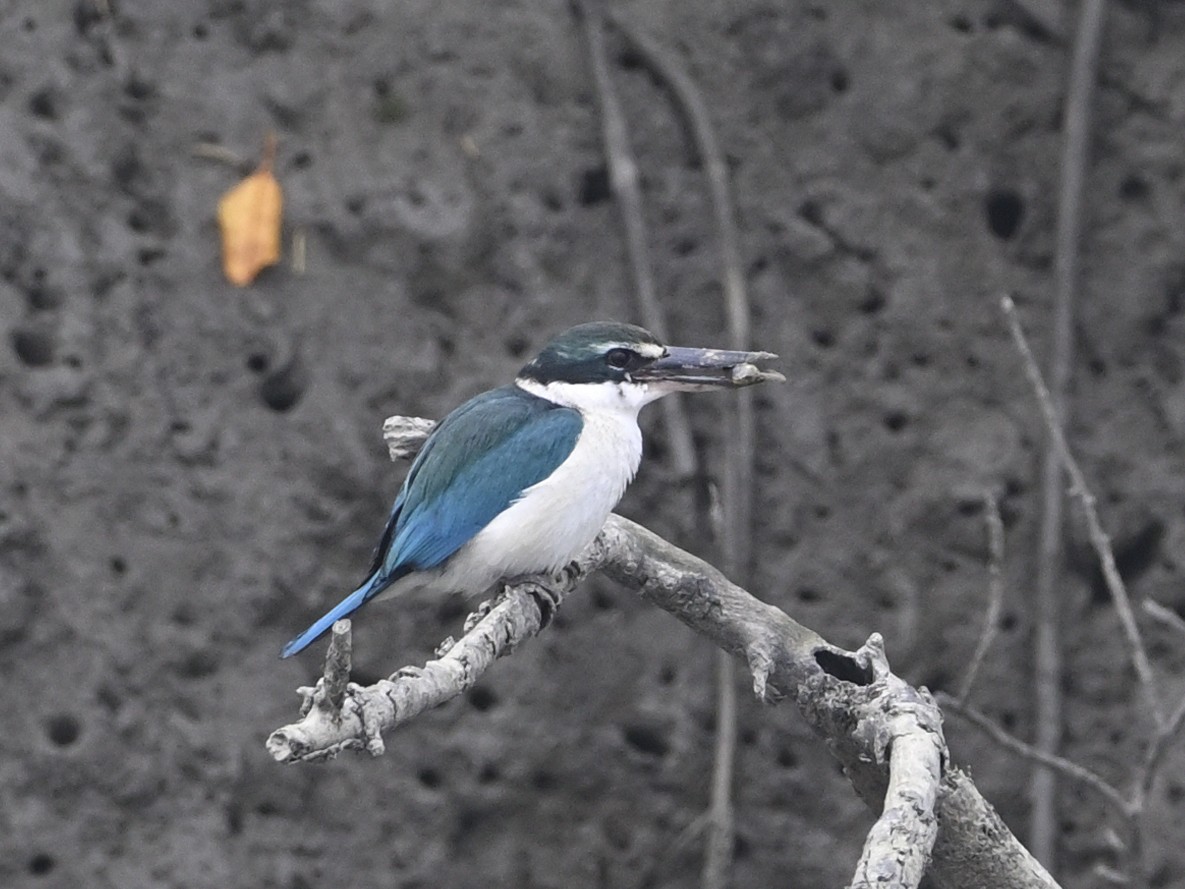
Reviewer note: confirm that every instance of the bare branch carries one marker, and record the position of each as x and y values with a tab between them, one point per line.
337	666
966	821
1154	756
850	698
991	619
720	826
898	847
1098	537
367	712
405	435
1027	751
1164	616
885	733
1075	141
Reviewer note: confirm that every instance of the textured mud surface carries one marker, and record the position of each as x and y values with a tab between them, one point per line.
190	473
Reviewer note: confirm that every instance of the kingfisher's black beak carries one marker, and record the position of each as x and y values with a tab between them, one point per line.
691	369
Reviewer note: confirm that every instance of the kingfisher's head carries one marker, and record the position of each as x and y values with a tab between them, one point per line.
622	362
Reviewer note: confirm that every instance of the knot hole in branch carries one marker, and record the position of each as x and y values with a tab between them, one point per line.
843	667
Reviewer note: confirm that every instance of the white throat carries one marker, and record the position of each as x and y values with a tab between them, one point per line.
596	398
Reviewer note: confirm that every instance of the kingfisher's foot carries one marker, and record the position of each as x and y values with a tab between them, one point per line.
548	600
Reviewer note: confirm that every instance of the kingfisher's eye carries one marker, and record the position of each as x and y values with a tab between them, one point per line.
619	358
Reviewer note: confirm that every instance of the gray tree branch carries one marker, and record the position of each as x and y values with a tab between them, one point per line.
885	733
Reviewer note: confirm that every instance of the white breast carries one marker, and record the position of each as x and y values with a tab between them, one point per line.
558	517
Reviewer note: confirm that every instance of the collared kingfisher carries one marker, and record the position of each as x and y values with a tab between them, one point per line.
519	480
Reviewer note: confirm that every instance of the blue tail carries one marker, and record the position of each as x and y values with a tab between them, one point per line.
374	585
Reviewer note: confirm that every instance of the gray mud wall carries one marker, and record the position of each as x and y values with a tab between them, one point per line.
190	473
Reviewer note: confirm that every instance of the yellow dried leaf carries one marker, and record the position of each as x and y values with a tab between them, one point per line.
249	217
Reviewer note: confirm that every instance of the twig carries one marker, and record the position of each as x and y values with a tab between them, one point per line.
623	176
719	826
1047	657
321	705
720	831
991	620
404	435
1164	616
1059	764
213	151
1098	537
1154	755
337	666
1110	875
1132	809
1075	142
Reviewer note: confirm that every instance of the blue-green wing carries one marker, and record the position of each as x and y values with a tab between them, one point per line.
475	464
